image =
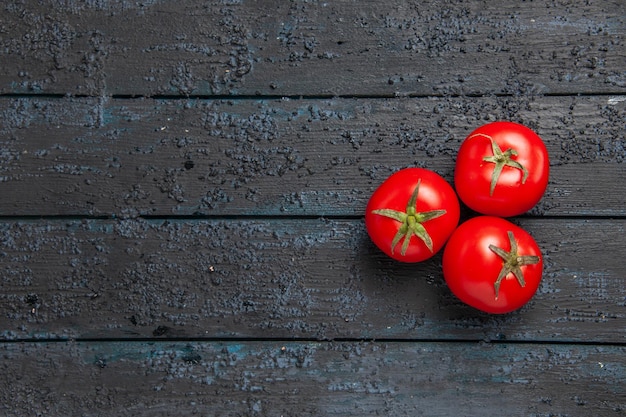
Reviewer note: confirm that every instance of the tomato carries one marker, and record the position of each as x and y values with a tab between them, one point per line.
491	264
502	169
411	214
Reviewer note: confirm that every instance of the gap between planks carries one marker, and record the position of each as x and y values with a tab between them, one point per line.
307	340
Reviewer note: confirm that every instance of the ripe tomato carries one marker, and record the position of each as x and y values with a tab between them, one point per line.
491	264
502	169
411	214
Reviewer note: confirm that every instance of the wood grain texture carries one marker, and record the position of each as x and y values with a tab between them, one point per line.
314	279
313	379
312	48
274	157
182	187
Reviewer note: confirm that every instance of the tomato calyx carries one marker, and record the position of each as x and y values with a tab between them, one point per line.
411	221
513	262
501	159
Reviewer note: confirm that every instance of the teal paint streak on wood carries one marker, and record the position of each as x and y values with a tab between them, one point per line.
275	157
322	378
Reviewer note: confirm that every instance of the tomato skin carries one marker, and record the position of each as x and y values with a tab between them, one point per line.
394	193
471	268
511	195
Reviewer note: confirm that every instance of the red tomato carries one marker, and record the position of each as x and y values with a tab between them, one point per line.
502	169
411	215
492	265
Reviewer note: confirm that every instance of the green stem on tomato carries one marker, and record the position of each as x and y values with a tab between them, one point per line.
411	222
513	262
501	159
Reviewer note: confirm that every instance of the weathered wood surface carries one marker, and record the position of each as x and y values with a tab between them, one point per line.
275	157
182	186
187	47
280	278
311	379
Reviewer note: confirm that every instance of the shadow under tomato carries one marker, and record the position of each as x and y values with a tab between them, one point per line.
420	289
390	281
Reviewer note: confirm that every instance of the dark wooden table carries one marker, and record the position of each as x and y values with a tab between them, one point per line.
183	186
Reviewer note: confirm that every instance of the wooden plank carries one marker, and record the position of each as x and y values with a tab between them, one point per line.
276	157
298	278
310	48
311	379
